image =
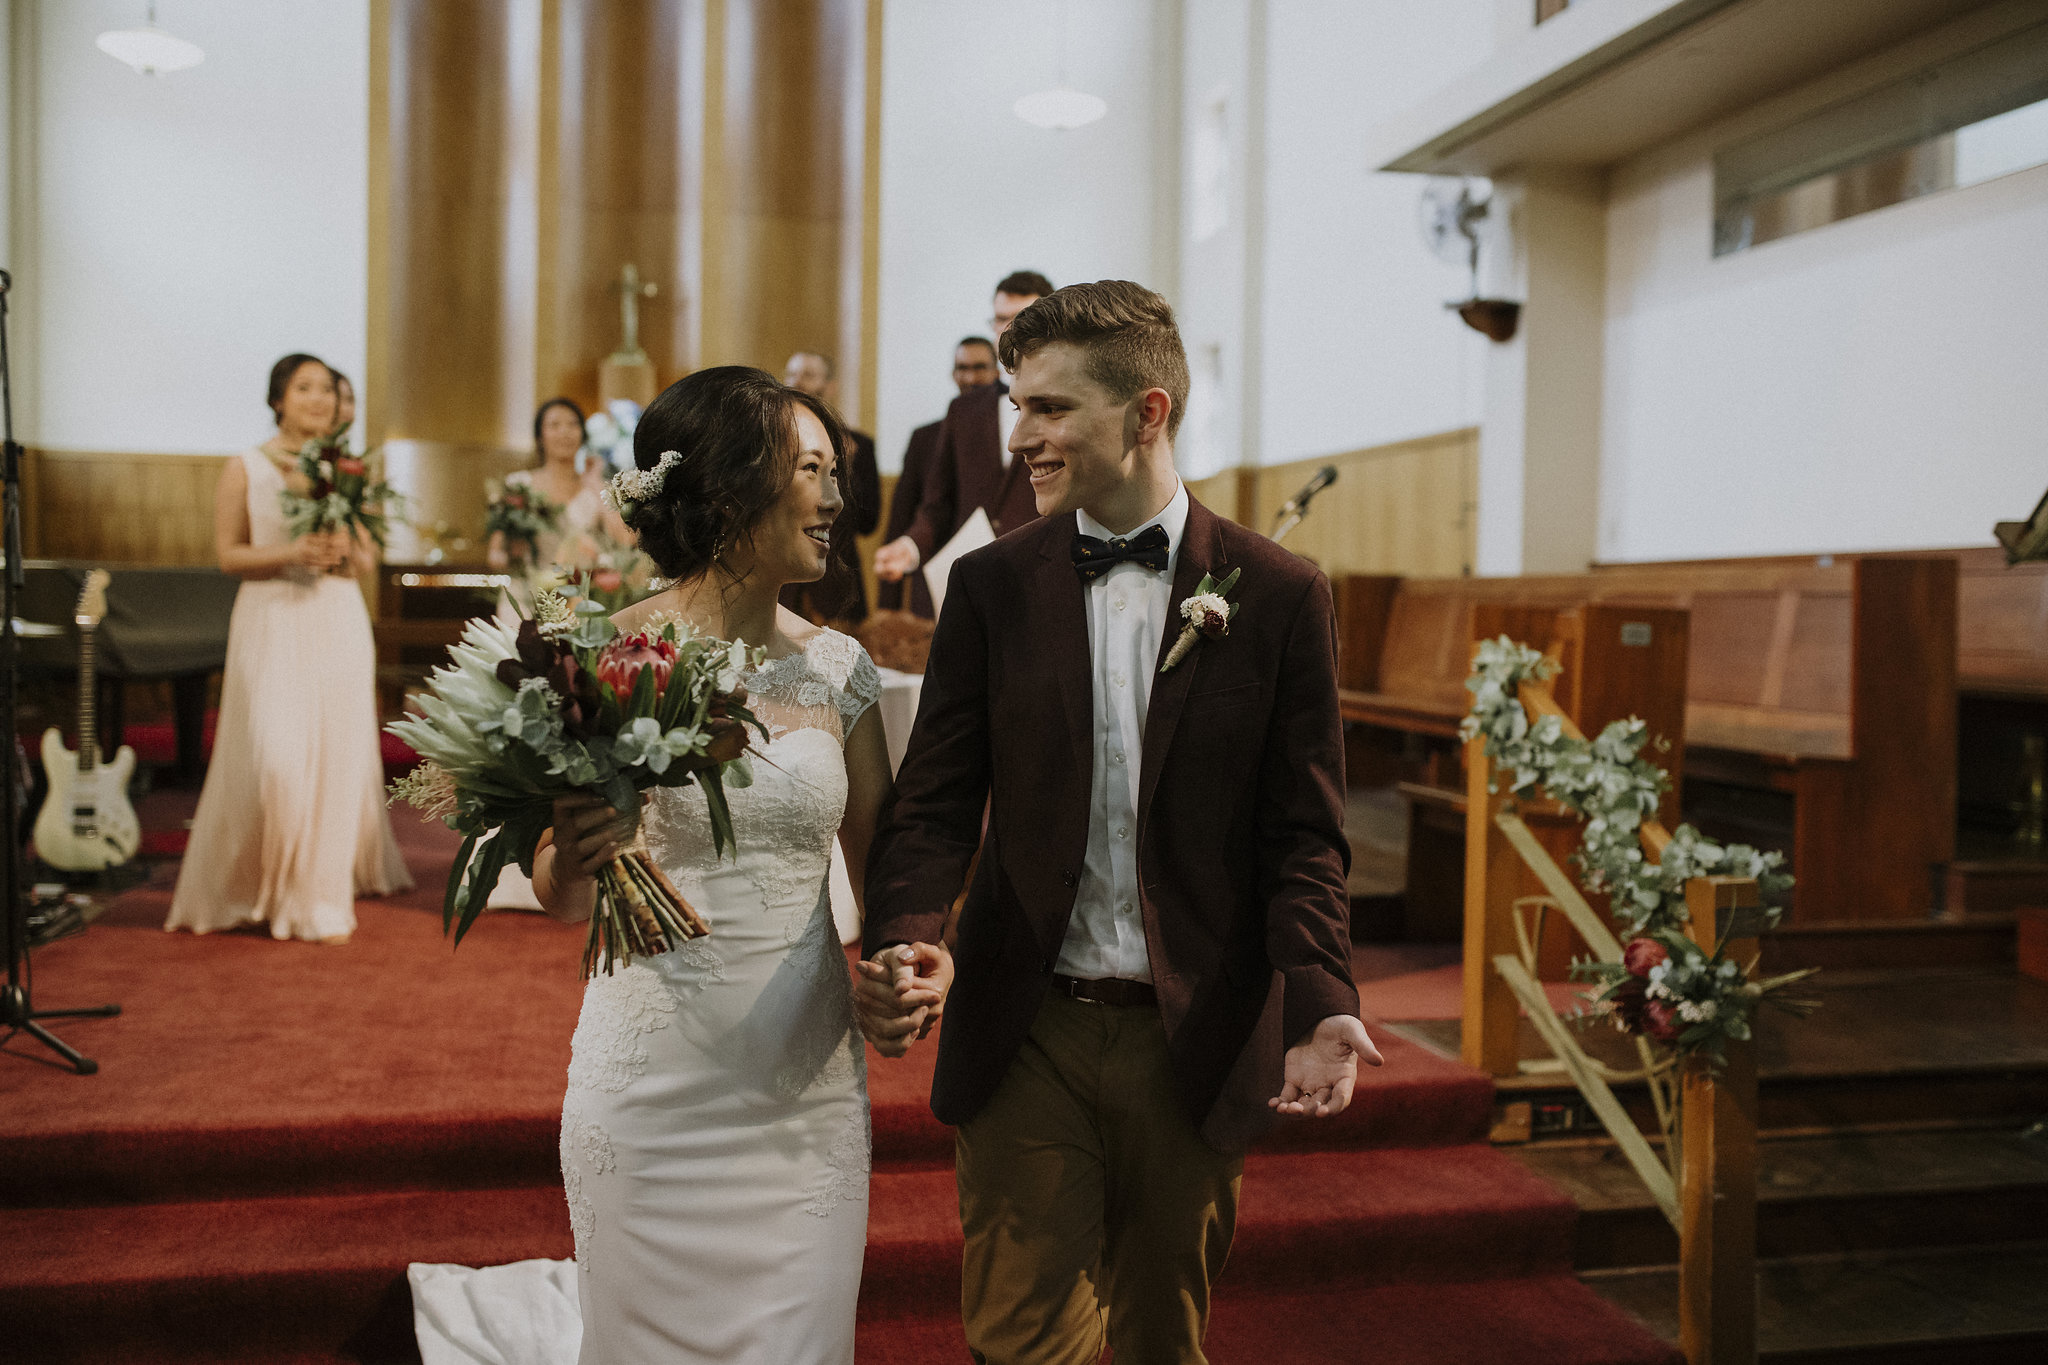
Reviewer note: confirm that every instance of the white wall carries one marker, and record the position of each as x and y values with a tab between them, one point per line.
194	227
1873	384
1357	347
970	192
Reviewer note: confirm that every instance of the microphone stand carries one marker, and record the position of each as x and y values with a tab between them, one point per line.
18	1013
1295	508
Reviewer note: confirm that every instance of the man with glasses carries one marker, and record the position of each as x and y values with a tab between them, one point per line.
971	465
974	367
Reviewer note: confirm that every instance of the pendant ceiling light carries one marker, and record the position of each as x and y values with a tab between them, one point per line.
149	49
1061	107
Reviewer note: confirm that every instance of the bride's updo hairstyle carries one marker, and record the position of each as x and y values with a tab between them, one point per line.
732	431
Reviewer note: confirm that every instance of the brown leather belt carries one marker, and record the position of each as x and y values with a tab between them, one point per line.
1108	991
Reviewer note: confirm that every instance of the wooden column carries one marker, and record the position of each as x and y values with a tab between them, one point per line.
613	87
782	195
451	213
1717	1172
1493	876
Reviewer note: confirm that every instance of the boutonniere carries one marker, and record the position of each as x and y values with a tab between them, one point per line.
1208	613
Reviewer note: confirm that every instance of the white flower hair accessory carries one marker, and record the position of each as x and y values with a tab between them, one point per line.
630	488
1207	613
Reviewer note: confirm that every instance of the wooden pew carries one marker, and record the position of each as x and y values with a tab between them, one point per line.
1405	650
1831	683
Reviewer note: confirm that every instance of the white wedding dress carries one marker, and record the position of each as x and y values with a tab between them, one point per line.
715	1142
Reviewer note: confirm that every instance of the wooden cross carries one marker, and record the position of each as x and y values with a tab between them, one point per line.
631	290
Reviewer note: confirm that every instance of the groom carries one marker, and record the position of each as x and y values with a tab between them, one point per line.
1153	958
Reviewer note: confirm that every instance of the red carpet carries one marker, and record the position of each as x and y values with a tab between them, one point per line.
277	1128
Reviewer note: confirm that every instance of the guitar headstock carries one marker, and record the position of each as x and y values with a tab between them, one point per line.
92	599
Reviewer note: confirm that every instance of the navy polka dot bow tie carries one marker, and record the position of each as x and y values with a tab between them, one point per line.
1093	558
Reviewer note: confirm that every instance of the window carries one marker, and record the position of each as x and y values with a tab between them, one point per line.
1978	115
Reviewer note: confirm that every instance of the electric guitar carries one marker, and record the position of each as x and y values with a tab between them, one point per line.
86	822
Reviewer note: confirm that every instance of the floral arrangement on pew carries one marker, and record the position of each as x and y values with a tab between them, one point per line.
610	572
522	514
1666	987
609	433
333	489
567	704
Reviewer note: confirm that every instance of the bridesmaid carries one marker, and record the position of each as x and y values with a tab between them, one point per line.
291	824
557	442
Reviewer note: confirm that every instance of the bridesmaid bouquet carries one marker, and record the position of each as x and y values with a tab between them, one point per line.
334	490
568	704
523	514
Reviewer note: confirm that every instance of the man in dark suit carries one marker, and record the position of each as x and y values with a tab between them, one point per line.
841	595
974	367
1153	959
972	466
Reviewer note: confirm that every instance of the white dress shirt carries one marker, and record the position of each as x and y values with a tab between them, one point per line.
1127	617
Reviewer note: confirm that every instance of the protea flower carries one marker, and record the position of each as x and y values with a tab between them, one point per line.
622	660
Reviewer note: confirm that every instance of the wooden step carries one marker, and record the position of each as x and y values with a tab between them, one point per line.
1821	1194
1977	1306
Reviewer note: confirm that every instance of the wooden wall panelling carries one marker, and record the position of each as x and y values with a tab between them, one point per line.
1405	508
116	508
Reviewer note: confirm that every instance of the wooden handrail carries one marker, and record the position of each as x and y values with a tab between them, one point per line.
1537	700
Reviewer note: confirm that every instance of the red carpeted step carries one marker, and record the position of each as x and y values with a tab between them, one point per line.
1386	1215
1539	1320
249	1278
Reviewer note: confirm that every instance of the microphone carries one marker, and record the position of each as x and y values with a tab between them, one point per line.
1298	504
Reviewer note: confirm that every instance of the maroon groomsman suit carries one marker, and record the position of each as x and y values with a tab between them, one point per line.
968	471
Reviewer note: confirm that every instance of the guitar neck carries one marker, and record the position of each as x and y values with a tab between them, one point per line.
88	697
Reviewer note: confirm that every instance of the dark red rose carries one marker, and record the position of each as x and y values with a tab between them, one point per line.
1661	1021
1642	955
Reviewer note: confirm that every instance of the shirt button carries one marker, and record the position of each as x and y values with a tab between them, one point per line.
1125	907
1118	679
1117	757
1118	604
1123	831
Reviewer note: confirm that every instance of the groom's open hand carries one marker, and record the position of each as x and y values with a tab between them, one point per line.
1323	1068
900	994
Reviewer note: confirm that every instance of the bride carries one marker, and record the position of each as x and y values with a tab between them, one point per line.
715	1141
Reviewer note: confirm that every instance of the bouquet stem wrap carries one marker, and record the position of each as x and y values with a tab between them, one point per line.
639	912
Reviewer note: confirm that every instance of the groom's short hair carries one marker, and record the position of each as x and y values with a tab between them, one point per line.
1125	331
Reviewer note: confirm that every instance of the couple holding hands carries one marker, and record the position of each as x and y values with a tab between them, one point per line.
1130	714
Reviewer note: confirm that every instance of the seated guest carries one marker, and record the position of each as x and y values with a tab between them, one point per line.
840	596
974	367
291	826
575	486
971	466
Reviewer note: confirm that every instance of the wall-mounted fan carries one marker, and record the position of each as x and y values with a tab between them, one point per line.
1450	216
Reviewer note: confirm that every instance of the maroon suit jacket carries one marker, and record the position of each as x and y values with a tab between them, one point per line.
967	472
1241	854
903	505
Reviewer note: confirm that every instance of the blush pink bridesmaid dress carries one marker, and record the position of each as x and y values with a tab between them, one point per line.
291	825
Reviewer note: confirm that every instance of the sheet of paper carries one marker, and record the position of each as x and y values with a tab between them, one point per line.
974	533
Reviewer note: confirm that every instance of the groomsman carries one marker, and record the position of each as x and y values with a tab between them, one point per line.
840	595
1153	958
971	466
974	367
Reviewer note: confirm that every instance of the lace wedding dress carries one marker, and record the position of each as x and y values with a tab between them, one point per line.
715	1131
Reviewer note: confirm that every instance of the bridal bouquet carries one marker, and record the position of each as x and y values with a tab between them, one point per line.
567	704
334	490
522	514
